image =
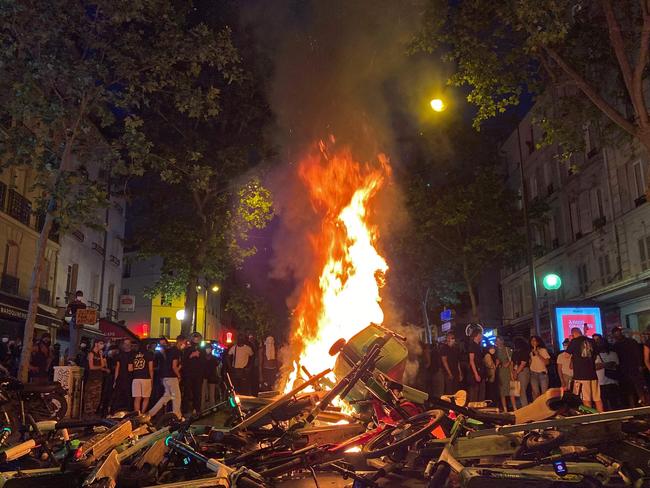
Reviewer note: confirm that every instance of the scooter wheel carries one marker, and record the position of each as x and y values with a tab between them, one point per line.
440	475
543	441
404	434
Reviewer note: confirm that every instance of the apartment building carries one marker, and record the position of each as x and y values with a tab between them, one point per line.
596	235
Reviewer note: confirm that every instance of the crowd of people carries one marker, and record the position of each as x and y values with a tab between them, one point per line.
186	375
606	374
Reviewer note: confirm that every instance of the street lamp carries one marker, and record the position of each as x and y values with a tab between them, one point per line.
180	315
437	105
215	288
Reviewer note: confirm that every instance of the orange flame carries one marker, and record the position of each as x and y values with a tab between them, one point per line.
344	297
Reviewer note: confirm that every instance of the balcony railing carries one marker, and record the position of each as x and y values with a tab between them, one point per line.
114	260
94	305
19	207
3	192
98	249
111	314
9	284
44	296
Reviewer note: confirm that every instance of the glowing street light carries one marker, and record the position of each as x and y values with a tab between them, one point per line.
438	105
180	315
215	288
552	281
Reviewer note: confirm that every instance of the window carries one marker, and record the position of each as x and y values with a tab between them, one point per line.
639	180
111	296
644	253
45	275
517	300
94	287
599	207
575	219
532	188
604	269
165	302
11	259
71	279
126	272
165	324
583	278
590	139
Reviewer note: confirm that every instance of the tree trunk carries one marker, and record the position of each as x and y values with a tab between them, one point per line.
187	325
470	291
32	310
425	316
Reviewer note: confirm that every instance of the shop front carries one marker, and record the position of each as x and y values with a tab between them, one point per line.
13	313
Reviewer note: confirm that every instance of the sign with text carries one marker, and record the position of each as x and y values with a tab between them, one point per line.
127	303
86	316
587	319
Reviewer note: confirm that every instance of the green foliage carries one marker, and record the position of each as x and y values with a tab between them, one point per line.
250	311
501	50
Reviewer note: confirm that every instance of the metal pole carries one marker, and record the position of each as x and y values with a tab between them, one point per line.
529	239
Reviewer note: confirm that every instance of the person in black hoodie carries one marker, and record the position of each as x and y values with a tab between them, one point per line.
192	374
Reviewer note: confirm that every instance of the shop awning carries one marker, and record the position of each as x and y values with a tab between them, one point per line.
113	330
15	308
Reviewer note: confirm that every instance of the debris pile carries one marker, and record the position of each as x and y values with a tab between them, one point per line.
388	435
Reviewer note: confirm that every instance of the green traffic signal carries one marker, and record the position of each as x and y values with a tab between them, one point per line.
552	282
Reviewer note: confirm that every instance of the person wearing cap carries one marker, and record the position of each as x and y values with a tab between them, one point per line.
632	384
564	368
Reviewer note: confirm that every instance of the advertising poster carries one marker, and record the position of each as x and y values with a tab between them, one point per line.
587	319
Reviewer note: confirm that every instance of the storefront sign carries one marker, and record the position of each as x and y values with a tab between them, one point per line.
127	303
587	319
446	326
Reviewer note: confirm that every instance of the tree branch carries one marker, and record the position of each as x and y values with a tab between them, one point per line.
592	94
616	39
642	62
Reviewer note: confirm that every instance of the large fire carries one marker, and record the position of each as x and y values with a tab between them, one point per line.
342	297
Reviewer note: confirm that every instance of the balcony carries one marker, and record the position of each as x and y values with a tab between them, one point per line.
9	284
54	230
94	305
44	296
77	234
98	249
114	260
18	207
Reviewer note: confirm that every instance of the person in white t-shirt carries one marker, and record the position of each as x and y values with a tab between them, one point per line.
539	361
239	357
564	368
607	359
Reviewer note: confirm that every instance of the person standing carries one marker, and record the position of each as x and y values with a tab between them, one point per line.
606	361
193	372
449	357
504	373
171	375
631	367
106	401
268	363
142	371
539	361
434	367
521	368
254	366
210	378
476	373
122	377
39	364
97	369
583	357
240	357
77	303
564	367
491	384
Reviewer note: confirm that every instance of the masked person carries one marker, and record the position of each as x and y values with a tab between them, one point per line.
193	372
39	364
142	371
122	377
170	372
240	358
268	363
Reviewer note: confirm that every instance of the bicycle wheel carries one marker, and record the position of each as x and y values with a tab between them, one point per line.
404	434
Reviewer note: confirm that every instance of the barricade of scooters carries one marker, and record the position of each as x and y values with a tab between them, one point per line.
388	435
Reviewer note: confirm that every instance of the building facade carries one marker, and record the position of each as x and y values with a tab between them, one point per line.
159	316
595	236
19	232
